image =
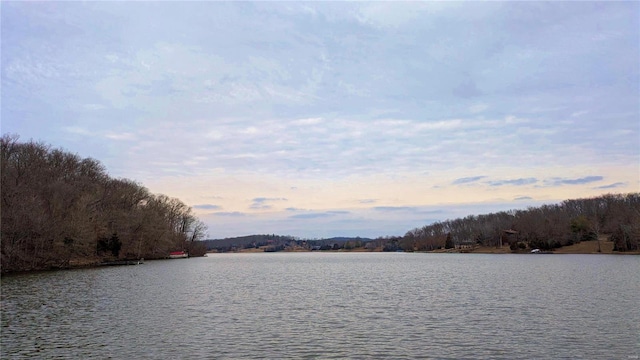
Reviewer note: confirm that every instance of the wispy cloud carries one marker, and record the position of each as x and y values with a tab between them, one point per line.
207	207
467	180
77	130
320	214
338	212
229	213
576	181
394	208
311	215
521	198
478	108
324	99
467	89
367	201
121	136
262	203
513	182
611	186
260	200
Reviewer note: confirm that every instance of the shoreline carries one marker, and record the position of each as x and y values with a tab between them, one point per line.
582	248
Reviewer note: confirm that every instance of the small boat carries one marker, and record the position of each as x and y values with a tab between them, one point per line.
178	255
538	251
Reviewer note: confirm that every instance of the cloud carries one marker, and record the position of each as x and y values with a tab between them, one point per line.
467	89
367	201
318	215
577	181
393	208
467	180
440	125
207	207
579	113
310	216
77	130
216	197
260	203
389	15
94	106
327	94
478	108
514	182
260	200
261	206
121	136
520	198
611	186
230	214
307	121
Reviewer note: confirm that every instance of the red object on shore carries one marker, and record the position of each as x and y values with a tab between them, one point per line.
178	255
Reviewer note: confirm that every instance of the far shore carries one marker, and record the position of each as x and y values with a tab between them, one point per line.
584	247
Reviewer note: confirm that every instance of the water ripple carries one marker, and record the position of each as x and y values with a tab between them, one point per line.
329	306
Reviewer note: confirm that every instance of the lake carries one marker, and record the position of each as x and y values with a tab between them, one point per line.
330	306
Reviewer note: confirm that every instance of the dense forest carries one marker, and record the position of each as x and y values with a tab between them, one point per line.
59	210
616	216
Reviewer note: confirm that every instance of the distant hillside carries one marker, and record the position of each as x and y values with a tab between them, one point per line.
243	242
281	242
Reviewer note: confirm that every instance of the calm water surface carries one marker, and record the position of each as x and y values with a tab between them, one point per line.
330	305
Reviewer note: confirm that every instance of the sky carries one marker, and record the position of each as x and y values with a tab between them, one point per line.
321	119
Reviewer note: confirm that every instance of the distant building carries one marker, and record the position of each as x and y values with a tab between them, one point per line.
467	244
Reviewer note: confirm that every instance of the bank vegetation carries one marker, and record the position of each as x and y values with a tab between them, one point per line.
615	217
59	210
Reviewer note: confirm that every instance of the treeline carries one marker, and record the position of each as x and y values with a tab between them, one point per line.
546	227
272	243
247	242
59	209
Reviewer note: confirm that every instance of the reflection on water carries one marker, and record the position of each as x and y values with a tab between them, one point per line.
330	305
